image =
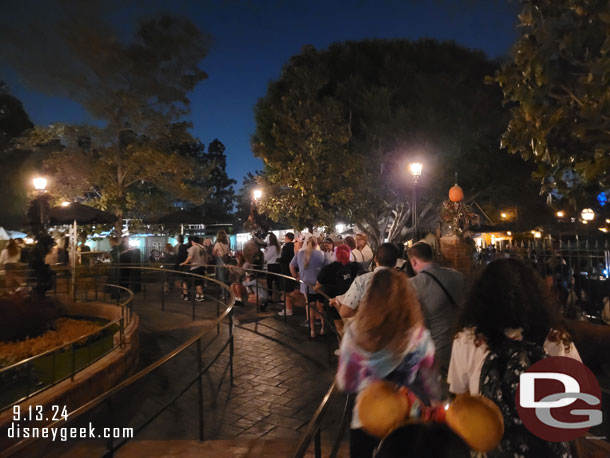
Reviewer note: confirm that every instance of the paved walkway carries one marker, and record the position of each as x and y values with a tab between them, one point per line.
280	376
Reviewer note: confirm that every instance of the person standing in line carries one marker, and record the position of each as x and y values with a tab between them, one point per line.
328	247
306	266
9	262
387	254
221	255
289	286
365	250
271	256
356	256
440	292
181	250
196	259
507	323
386	340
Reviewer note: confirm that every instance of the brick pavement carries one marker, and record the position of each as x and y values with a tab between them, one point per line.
280	375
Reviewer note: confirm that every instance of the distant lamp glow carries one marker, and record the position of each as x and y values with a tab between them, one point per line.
587	214
416	168
608	221
503	215
65	204
40	183
603	229
340	228
560	214
257	194
537	234
509	233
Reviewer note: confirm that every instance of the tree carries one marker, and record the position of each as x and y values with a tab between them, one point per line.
338	128
14	121
219	203
558	89
140	91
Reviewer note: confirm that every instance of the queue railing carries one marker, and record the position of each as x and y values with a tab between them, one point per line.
23	379
105	407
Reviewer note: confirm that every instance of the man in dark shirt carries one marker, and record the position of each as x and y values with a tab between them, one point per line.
336	278
286	256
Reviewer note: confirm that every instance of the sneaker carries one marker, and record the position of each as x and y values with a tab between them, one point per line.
200	298
184	297
288	313
238	304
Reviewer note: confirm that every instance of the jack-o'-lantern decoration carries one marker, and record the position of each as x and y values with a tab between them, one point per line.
456	194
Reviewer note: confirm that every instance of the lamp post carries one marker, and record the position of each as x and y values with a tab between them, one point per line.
415	168
38	214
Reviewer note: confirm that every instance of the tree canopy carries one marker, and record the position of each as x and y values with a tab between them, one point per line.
139	90
557	85
338	128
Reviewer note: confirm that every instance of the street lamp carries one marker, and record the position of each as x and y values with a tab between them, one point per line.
560	214
587	215
415	168
257	194
503	215
40	183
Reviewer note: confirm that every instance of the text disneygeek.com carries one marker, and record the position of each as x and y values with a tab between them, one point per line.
16	431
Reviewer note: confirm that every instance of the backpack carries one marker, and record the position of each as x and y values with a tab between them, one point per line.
499	381
344	277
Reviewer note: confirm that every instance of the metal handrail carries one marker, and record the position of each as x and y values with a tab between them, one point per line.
64	345
147	370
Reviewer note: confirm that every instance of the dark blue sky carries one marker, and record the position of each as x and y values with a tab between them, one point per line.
252	40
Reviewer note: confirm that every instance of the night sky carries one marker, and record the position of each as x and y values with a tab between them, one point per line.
252	40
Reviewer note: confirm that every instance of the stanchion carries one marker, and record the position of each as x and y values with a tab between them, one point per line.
231	348
200	390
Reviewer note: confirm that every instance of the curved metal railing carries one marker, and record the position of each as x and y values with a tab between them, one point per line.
314	428
106	399
23	379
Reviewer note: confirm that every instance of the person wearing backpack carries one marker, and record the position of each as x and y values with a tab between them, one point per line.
507	323
439	291
196	259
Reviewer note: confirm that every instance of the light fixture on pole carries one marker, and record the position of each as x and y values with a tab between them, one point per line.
257	194
40	183
415	168
587	215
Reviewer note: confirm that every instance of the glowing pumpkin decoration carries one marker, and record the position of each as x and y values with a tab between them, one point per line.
456	194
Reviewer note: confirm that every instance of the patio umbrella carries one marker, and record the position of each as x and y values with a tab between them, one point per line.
79	213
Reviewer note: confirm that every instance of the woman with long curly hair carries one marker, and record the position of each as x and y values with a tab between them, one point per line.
508	323
386	340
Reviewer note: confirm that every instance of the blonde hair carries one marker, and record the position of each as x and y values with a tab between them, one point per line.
310	246
388	314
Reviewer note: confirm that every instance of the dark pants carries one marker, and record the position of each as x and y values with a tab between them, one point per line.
271	279
361	444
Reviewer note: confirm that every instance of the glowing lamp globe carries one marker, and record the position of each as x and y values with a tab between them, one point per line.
456	194
587	214
257	194
40	183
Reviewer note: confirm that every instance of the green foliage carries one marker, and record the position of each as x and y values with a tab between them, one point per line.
139	90
14	164
558	87
339	127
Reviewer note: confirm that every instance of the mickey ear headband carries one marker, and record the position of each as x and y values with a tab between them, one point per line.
384	407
